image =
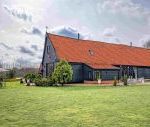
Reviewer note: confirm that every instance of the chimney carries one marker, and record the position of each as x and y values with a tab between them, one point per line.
78	36
131	44
46	28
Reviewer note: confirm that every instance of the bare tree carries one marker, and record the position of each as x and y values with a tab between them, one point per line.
147	44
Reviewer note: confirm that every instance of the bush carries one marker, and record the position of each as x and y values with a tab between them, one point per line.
32	77
44	82
12	80
1	81
115	82
62	73
125	80
1	84
10	74
21	81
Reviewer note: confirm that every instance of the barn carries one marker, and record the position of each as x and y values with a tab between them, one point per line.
92	59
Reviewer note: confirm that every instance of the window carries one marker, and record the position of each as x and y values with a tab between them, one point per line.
48	49
89	75
91	53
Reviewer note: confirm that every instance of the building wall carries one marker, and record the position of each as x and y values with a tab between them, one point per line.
86	72
106	74
143	72
83	72
49	57
77	72
109	74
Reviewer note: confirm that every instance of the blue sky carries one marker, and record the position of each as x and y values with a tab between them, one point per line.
22	24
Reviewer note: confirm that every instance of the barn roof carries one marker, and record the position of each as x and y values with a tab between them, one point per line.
99	55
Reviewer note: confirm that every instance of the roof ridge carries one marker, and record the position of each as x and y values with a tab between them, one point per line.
94	41
106	54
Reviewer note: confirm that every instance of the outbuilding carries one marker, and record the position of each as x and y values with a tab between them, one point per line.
92	59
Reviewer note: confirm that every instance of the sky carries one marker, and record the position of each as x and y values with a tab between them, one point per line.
23	24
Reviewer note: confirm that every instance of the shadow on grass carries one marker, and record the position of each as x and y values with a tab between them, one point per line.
73	87
69	87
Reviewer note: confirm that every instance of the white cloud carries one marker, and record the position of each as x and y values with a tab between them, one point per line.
109	32
69	32
122	6
26	50
117	39
32	31
149	21
7	47
19	13
145	39
110	35
130	21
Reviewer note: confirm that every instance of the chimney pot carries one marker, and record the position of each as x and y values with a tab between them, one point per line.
78	36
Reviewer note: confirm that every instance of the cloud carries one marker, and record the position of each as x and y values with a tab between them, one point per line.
19	13
109	32
32	31
40	57
145	41
35	47
149	21
68	32
6	46
124	7
117	39
26	50
24	62
21	61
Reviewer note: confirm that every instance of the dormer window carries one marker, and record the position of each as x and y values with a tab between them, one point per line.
91	53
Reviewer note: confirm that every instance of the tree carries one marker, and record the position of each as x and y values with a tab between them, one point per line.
147	44
11	74
62	73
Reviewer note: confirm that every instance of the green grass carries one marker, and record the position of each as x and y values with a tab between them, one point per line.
80	106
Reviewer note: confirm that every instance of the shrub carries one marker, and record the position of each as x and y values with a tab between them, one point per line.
10	74
32	77
21	81
44	82
1	81
115	82
1	84
125	80
62	73
12	80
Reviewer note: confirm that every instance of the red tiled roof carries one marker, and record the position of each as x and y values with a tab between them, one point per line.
99	54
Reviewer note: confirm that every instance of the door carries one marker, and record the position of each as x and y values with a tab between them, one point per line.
97	75
129	71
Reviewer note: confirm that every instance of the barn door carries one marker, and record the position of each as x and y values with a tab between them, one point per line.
97	75
129	71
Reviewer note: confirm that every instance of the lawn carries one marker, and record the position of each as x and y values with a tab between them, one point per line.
74	106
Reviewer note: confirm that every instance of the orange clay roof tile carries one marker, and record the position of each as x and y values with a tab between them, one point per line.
99	55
